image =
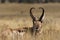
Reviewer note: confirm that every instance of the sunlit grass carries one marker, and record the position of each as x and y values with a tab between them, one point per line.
21	18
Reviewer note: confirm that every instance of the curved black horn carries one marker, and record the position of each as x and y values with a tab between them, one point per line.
32	14
42	16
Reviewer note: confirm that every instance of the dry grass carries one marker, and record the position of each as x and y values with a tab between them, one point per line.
20	18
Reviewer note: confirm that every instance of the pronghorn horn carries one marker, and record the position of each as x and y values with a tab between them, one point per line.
42	16
32	14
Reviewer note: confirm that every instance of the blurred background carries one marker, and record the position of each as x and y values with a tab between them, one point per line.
29	1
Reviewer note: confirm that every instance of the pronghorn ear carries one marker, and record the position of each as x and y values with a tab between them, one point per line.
43	15
32	14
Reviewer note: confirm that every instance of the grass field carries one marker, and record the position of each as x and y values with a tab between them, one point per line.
17	15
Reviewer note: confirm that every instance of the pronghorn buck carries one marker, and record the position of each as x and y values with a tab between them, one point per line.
37	24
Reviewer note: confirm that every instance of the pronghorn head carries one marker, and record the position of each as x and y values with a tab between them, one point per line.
37	23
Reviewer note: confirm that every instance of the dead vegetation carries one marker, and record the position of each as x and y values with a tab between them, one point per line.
17	16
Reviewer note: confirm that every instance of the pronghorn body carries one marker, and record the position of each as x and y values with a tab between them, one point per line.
13	33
